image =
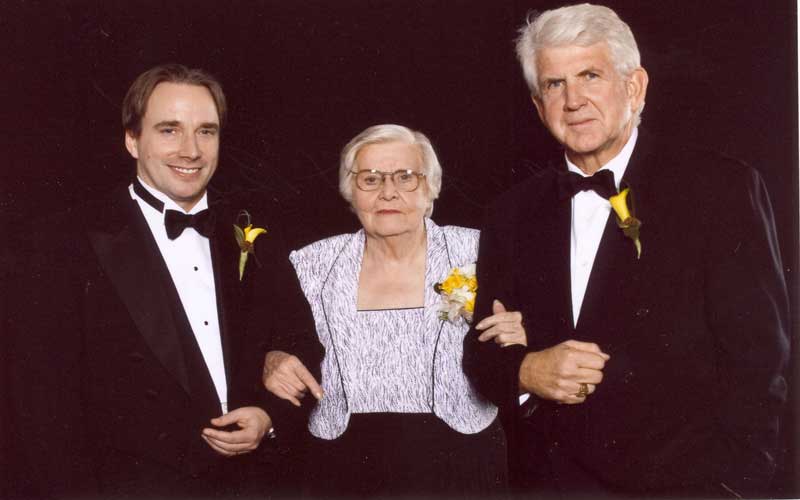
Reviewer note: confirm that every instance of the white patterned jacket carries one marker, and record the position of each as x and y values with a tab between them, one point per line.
328	272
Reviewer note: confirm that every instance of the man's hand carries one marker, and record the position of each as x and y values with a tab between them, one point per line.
502	326
557	373
254	423
286	377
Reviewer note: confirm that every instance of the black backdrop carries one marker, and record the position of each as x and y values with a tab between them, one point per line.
303	77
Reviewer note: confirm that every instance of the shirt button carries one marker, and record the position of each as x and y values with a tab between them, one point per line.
205	323
195	268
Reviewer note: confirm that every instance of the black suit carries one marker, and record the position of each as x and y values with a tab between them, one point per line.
110	389
696	331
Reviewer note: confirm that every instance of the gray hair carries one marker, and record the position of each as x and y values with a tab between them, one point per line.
582	25
382	134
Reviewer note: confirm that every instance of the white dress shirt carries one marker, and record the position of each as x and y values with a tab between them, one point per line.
589	215
188	258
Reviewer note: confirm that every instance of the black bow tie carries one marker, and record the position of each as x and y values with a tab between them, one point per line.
175	221
602	183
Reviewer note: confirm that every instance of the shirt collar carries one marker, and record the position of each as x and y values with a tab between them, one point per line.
169	204
617	165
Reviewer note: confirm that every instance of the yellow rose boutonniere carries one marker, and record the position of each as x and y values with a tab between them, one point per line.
458	294
246	238
630	225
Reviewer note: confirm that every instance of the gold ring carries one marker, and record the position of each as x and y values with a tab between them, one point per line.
583	391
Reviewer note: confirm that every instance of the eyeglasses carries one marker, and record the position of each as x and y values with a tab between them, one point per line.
403	180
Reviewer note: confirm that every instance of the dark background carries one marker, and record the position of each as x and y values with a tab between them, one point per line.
303	77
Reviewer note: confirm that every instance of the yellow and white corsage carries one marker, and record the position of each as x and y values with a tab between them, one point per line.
458	294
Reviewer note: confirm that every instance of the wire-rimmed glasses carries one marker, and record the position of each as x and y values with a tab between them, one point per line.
372	179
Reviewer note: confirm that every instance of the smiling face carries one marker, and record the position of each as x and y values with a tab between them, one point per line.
585	103
388	211
178	147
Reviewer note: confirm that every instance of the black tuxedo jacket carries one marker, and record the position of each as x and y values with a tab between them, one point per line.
696	331
110	390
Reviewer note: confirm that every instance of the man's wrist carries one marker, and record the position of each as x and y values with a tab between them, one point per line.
525	368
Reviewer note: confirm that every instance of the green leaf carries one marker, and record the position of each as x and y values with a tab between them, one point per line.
239	234
242	262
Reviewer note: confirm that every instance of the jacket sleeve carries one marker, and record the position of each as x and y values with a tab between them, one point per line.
281	320
747	312
494	370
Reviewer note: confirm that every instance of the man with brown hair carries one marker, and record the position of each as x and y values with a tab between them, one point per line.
131	372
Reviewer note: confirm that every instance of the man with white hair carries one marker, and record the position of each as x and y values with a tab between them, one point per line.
656	331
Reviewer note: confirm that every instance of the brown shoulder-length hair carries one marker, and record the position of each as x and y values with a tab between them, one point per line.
134	105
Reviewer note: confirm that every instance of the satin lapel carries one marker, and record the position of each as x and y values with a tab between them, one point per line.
129	256
225	259
543	264
612	303
598	321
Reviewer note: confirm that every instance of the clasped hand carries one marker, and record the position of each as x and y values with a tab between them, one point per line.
253	422
558	372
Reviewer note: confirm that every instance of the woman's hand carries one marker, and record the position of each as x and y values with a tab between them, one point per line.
505	327
286	377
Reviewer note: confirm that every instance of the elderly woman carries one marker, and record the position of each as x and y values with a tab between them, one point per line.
395	413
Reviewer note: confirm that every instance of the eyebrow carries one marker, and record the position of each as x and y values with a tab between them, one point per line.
583	72
591	69
548	80
167	123
176	123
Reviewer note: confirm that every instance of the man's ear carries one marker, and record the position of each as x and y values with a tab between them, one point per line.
537	101
636	87
132	144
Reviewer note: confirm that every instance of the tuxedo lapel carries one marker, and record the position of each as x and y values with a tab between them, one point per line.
225	260
599	320
544	263
129	256
618	281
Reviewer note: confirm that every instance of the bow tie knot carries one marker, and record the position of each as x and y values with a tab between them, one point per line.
175	222
602	183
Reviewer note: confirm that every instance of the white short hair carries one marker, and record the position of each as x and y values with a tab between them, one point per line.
382	134
582	25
